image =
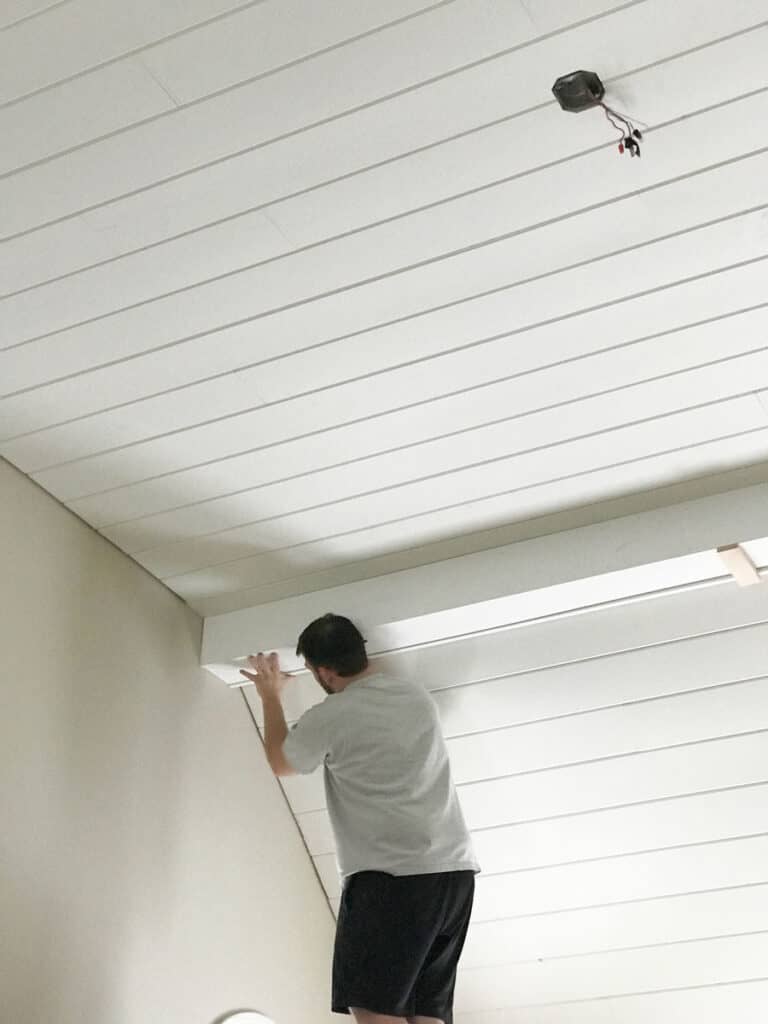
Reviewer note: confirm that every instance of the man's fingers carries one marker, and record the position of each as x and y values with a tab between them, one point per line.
248	675
265	663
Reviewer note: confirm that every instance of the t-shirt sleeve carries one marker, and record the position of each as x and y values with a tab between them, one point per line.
308	742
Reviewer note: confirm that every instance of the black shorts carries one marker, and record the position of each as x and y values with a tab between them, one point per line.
398	941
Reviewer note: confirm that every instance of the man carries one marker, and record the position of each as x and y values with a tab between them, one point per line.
403	849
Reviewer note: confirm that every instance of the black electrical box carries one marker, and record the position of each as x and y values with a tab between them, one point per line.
578	91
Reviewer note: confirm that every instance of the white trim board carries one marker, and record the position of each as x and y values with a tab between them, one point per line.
386	606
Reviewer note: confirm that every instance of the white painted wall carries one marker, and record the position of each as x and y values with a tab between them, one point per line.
150	869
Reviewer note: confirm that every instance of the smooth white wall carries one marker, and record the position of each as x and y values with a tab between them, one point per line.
150	869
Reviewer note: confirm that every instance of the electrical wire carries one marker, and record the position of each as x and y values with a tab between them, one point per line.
630	136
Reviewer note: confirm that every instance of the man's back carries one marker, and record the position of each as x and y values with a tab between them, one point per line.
390	795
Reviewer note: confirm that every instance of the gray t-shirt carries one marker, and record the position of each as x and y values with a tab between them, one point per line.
391	799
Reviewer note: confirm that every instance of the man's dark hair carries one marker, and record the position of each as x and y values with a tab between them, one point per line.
334	642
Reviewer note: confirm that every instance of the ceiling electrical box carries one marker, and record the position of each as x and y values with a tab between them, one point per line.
579	91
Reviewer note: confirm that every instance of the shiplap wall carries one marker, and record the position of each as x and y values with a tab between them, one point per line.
613	768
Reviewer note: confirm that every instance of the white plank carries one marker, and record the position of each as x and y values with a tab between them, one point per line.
577	289
675	919
659	774
434	115
690	663
617	831
610	880
697	963
15	11
376	66
300	464
270	35
473	362
708	1004
82	109
473	482
357	203
33	57
79	109
642	726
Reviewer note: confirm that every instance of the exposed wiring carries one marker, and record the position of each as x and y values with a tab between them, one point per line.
629	136
583	90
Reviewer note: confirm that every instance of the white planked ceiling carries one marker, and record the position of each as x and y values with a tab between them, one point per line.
292	294
289	288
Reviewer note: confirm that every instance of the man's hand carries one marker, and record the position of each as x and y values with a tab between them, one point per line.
267	676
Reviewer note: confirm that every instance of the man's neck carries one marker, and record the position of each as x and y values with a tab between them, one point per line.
348	680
